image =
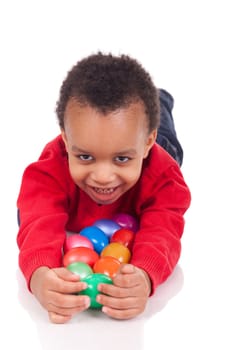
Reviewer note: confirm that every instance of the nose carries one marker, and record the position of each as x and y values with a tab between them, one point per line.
103	174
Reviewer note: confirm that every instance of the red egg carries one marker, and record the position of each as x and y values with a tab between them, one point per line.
118	251
107	265
123	236
76	240
83	254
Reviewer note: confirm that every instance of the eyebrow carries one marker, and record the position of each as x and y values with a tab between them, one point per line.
129	151
79	150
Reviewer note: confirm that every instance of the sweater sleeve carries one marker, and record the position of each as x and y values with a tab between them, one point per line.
157	244
42	204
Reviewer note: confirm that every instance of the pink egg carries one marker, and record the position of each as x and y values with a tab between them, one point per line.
76	240
126	221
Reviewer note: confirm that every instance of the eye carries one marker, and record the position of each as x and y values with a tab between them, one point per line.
122	159
85	157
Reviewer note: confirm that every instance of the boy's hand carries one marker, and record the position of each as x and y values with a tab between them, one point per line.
55	288
128	295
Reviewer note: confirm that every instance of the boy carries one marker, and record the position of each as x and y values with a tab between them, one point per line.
104	162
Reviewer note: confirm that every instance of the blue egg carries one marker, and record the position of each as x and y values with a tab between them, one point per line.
98	238
107	226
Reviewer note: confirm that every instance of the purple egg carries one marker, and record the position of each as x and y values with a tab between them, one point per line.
126	221
107	226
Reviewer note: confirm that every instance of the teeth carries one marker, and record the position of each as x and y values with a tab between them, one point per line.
104	190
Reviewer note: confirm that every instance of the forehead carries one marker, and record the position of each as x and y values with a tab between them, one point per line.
85	126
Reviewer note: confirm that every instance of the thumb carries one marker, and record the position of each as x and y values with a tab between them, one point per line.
66	275
126	269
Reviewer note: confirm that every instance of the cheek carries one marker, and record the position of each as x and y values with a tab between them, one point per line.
77	172
133	173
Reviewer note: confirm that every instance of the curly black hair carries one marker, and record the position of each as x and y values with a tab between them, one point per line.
106	83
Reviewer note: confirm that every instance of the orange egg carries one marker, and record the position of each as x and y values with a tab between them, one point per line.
107	265
118	251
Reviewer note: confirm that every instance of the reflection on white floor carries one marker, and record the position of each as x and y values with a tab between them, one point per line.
92	326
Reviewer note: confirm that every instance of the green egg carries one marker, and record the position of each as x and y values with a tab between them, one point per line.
80	268
92	285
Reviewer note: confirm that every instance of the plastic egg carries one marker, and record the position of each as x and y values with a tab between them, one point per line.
98	238
107	265
80	268
83	254
123	236
107	226
118	251
92	287
76	240
126	221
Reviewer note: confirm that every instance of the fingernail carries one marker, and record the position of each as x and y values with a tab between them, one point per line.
105	309
87	302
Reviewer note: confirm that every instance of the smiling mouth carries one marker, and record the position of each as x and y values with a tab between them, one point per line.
103	190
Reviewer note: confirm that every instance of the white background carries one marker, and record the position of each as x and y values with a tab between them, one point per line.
187	48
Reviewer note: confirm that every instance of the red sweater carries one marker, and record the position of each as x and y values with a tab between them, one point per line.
50	204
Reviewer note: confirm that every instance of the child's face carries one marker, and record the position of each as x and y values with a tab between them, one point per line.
106	152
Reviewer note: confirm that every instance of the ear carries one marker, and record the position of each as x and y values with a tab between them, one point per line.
151	138
64	138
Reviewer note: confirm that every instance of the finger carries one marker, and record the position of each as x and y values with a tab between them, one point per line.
62	301
134	278
67	312
117	303
115	291
121	314
68	287
66	275
65	286
127	269
57	318
118	292
128	280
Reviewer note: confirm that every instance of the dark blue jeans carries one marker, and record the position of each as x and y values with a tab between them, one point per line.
167	137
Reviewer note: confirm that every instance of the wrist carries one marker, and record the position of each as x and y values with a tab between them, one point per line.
36	276
148	281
